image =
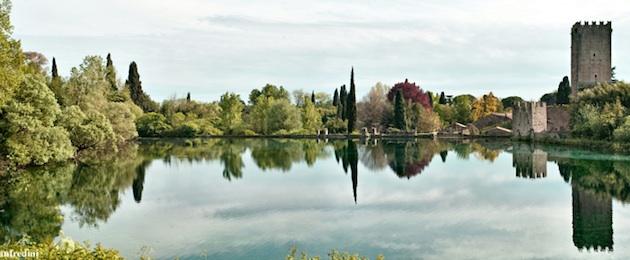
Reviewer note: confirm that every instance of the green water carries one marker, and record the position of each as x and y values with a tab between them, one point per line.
256	198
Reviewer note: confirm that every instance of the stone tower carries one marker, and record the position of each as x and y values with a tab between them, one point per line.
590	54
529	118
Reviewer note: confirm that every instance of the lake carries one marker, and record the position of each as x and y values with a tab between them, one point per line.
256	198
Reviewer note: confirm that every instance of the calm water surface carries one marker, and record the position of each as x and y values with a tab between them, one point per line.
255	199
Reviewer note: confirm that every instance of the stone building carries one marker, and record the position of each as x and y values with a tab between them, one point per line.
590	54
529	118
529	162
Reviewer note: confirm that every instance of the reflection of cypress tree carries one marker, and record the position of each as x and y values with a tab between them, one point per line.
443	155
138	182
353	160
592	220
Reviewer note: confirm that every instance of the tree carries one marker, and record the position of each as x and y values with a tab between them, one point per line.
86	130
343	98
442	98
268	91
35	63
463	107
313	97
122	118
424	120
411	93
400	121
311	119
510	102
56	84
564	91
284	117
486	105
351	104
374	110
111	74
549	98
138	96
11	56
152	125
231	113
258	116
32	137
188	97
336	98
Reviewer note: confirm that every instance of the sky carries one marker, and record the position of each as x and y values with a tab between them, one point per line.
509	47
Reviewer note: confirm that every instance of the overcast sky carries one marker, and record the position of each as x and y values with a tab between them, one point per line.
510	47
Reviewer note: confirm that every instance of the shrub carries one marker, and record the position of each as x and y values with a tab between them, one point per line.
622	133
152	125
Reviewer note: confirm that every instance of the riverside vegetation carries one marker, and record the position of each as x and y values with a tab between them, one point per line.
45	117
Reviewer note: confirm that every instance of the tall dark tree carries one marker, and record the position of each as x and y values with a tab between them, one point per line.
430	97
313	97
351	104
111	73
400	120
188	97
564	91
55	74
343	97
442	99
336	98
135	90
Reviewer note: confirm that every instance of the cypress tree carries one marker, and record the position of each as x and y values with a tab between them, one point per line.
188	97
313	97
442	98
111	73
430	97
351	104
564	91
135	90
400	121
55	74
341	109
336	98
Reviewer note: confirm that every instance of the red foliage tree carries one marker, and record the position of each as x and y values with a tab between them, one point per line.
411	93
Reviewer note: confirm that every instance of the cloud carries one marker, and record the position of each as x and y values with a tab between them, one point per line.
209	47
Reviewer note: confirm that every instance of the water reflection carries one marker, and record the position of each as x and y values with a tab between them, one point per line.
92	188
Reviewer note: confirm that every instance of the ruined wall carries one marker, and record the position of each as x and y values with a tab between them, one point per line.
529	118
590	54
558	119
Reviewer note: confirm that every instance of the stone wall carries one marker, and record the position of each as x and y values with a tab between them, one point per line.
529	118
590	54
558	119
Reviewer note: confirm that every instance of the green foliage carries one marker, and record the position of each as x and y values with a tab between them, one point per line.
600	112
446	113
138	96
231	120
463	109
336	125
424	120
510	102
400	120
351	105
550	98
152	125
564	91
86	131
622	133
442	100
283	116
122	118
269	91
333	255
606	93
64	249
110	74
32	137
311	119
11	57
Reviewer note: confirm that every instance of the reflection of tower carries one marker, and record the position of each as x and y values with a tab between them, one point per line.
529	162
592	220
138	182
